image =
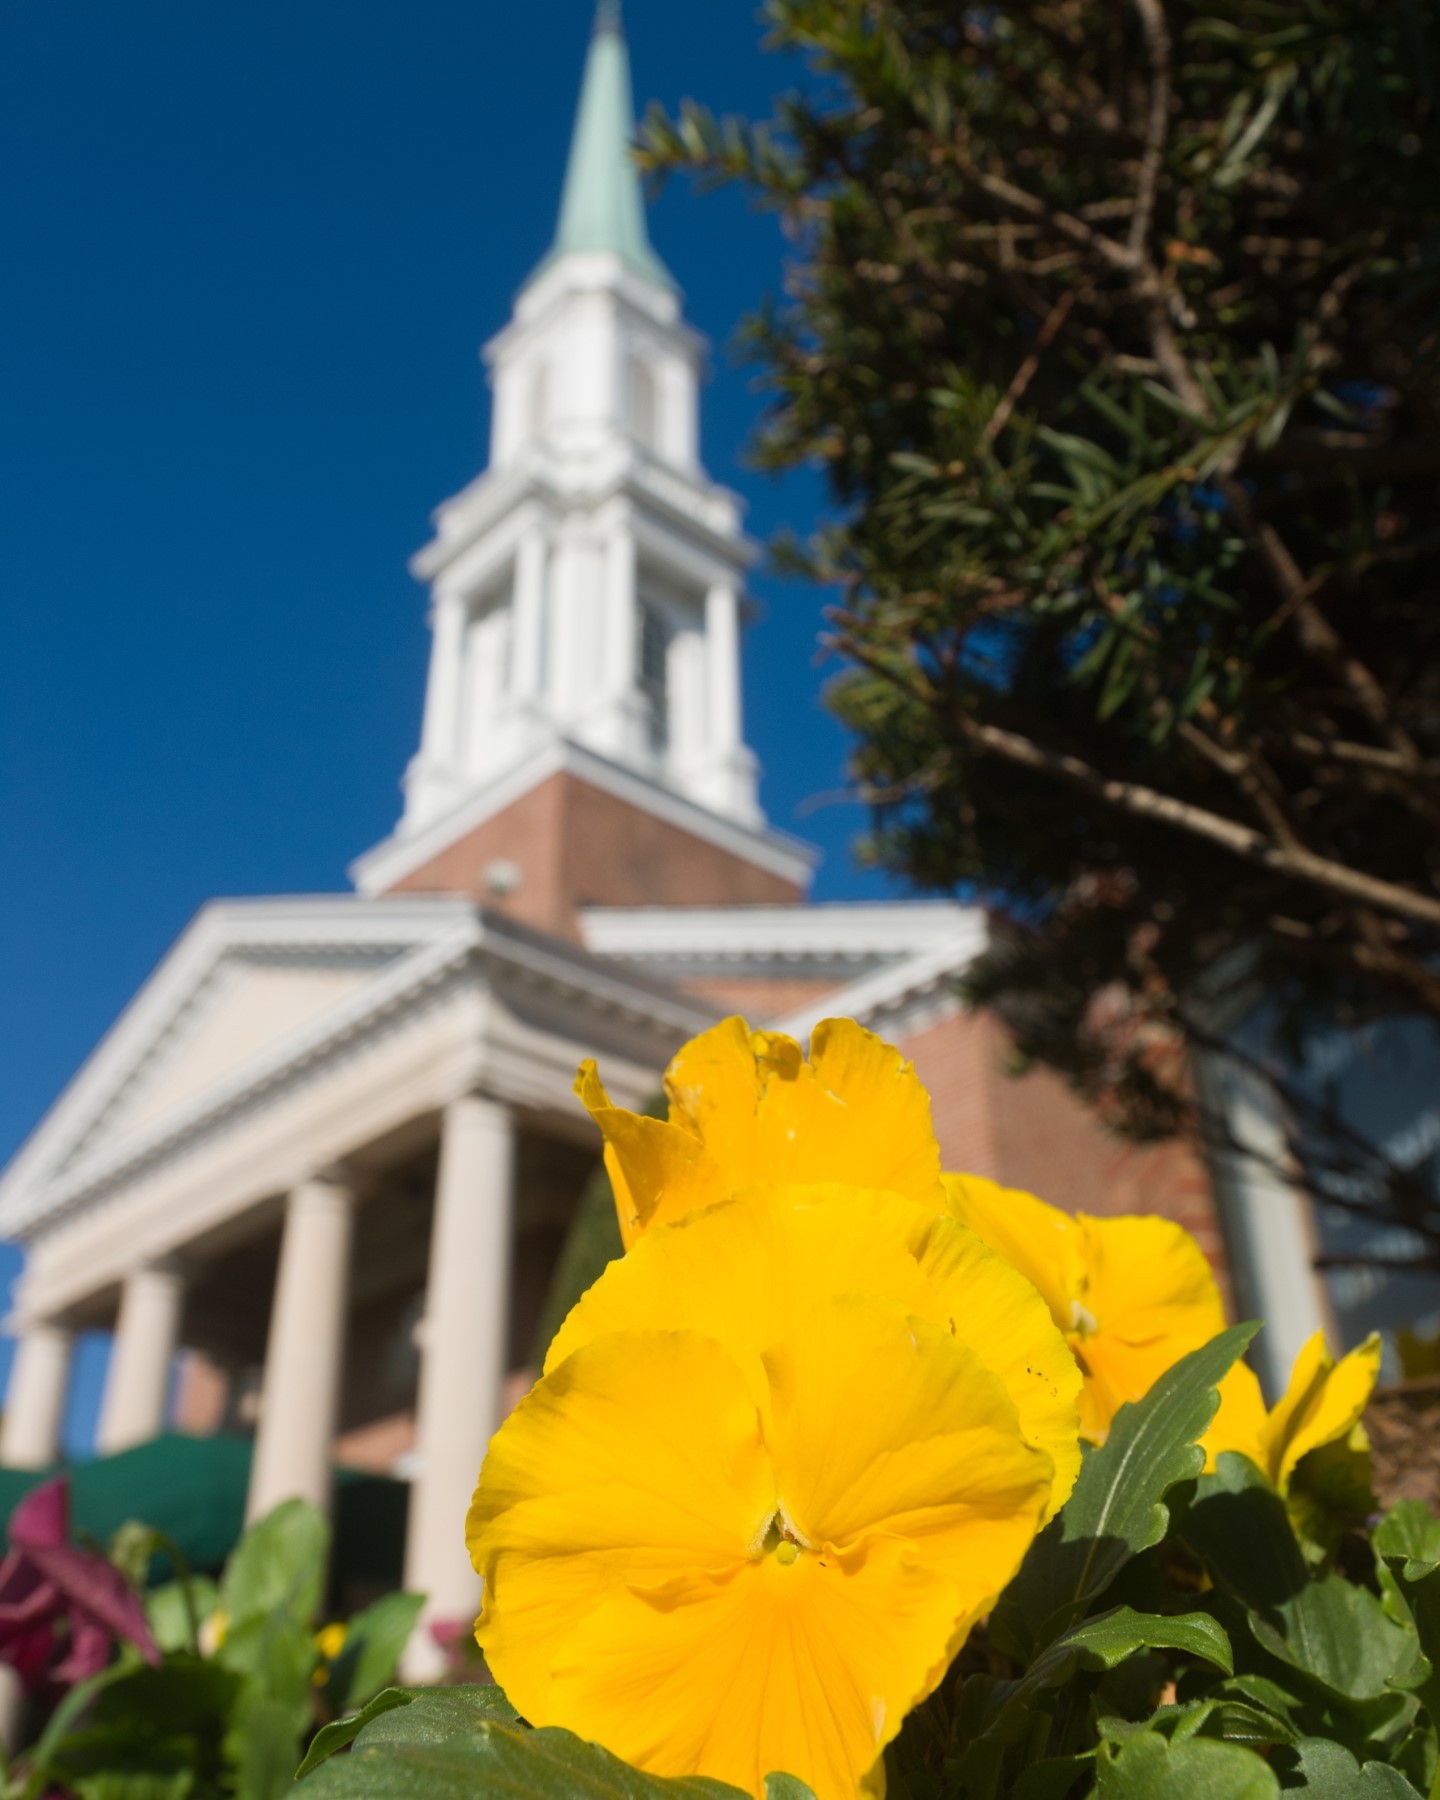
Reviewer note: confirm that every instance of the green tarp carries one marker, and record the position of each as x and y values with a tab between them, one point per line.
193	1489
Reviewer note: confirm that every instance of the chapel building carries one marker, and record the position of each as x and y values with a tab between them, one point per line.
328	1154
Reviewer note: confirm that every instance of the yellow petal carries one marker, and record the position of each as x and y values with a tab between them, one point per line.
809	1668
1240	1421
714	1084
749	1272
1322	1404
855	1113
1146	1298
638	1460
747	1108
885	1423
886	1138
1038	1240
657	1170
1147	1280
992	1307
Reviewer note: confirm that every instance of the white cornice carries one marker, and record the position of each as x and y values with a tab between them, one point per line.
900	997
704	509
896	928
776	852
592	272
38	1188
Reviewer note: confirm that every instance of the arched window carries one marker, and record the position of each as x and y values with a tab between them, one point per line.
644	404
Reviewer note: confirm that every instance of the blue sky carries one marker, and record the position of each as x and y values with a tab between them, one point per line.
252	252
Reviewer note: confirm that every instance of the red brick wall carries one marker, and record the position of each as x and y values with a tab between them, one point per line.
575	845
759	998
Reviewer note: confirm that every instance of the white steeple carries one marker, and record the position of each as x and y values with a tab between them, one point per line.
587	588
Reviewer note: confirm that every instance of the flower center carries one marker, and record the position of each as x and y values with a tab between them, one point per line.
1082	1320
781	1540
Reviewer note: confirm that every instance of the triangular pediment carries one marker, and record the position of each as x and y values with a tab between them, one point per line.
248	1004
247	980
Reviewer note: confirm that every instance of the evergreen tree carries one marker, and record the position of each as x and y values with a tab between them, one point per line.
1114	326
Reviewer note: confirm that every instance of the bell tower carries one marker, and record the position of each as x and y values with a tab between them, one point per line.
587	590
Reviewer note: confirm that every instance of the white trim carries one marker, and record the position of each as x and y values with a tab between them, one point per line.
894	928
538	475
887	999
378	869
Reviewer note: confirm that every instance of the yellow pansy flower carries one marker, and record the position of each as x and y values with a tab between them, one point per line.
1322	1406
746	1107
1131	1294
707	1583
748	1272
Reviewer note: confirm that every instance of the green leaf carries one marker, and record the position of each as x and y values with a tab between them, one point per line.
75	1704
340	1733
1003	1712
1340	1636
263	1746
1407	1543
431	1716
280	1562
1107	1640
1117	1509
495	1761
151	1721
1330	1772
1053	1778
1149	1766
787	1787
1410	1532
1238	1527
278	1658
170	1613
374	1639
1239	1723
129	1784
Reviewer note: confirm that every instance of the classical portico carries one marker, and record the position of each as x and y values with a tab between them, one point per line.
264	1209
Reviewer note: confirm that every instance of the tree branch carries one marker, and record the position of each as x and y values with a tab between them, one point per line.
1157	42
1238	767
1025	374
1240	840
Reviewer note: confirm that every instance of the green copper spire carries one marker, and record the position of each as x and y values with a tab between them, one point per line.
602	207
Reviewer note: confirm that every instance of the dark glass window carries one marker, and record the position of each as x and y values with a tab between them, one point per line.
655	637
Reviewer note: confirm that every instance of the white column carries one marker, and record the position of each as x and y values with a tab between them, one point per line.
35	1398
440	733
300	1393
527	675
1267	1223
137	1387
722	643
463	1356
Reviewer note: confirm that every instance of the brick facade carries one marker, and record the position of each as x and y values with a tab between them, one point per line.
760	998
576	845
